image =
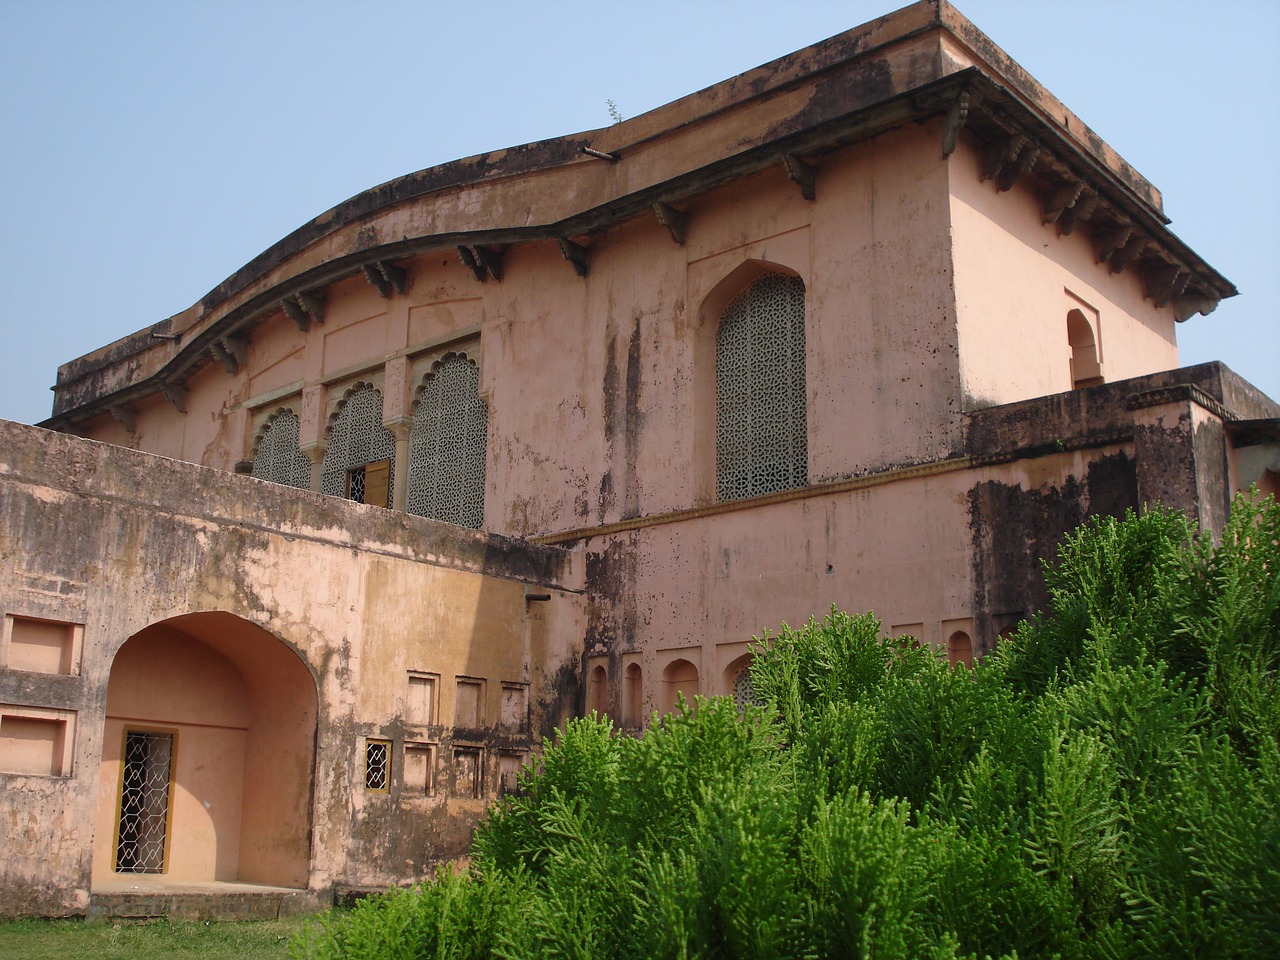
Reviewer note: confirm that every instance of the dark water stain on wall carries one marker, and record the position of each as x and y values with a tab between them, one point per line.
1013	531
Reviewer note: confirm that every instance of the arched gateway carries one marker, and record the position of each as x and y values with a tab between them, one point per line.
208	756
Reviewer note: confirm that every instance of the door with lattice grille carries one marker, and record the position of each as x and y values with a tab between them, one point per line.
145	790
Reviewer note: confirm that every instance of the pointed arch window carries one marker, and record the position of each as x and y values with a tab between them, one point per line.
447	445
276	455
761	412
359	457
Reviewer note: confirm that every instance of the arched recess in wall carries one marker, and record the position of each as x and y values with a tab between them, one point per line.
633	696
960	649
276	455
737	682
359	456
208	756
598	690
1086	369
761	402
679	677
448	442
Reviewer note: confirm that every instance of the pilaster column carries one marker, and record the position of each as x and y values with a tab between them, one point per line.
400	469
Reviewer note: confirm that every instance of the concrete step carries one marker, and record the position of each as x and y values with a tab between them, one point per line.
228	905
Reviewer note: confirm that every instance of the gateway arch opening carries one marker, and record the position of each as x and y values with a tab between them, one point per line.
208	756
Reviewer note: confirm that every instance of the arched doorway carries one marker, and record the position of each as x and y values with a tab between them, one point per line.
208	756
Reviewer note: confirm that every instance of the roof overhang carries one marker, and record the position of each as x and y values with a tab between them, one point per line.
921	64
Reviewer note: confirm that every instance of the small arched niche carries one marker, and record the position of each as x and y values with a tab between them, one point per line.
1086	368
633	696
679	677
598	690
960	649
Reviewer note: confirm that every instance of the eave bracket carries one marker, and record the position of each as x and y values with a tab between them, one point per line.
303	309
577	255
676	221
804	175
953	122
386	277
483	262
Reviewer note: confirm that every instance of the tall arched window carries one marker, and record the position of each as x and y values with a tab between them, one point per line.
359	458
276	456
447	443
761	415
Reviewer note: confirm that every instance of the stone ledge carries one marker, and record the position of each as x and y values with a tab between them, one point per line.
206	906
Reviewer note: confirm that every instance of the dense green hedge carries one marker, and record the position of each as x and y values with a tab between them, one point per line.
1106	785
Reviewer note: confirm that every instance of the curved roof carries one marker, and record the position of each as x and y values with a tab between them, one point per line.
923	61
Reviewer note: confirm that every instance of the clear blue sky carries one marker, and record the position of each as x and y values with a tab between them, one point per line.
147	150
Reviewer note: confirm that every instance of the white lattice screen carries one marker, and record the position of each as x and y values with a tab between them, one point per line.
761	417
447	445
277	457
356	437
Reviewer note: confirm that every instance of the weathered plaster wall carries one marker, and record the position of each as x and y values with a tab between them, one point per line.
600	389
701	588
1016	279
119	541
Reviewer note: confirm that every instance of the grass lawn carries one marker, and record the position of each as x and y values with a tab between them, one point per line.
126	940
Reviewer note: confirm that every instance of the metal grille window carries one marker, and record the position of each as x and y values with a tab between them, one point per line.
144	802
377	765
761	417
356	438
370	483
276	456
447	445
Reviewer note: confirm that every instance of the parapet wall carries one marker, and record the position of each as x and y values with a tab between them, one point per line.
100	543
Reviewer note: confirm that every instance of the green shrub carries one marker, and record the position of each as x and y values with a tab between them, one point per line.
1106	785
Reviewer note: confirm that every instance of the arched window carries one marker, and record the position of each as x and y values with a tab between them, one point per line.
276	456
447	444
1086	371
598	691
358	461
960	649
761	416
679	677
632	696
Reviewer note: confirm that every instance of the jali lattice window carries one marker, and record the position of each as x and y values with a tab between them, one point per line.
761	415
357	438
144	802
744	693
276	456
447	445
